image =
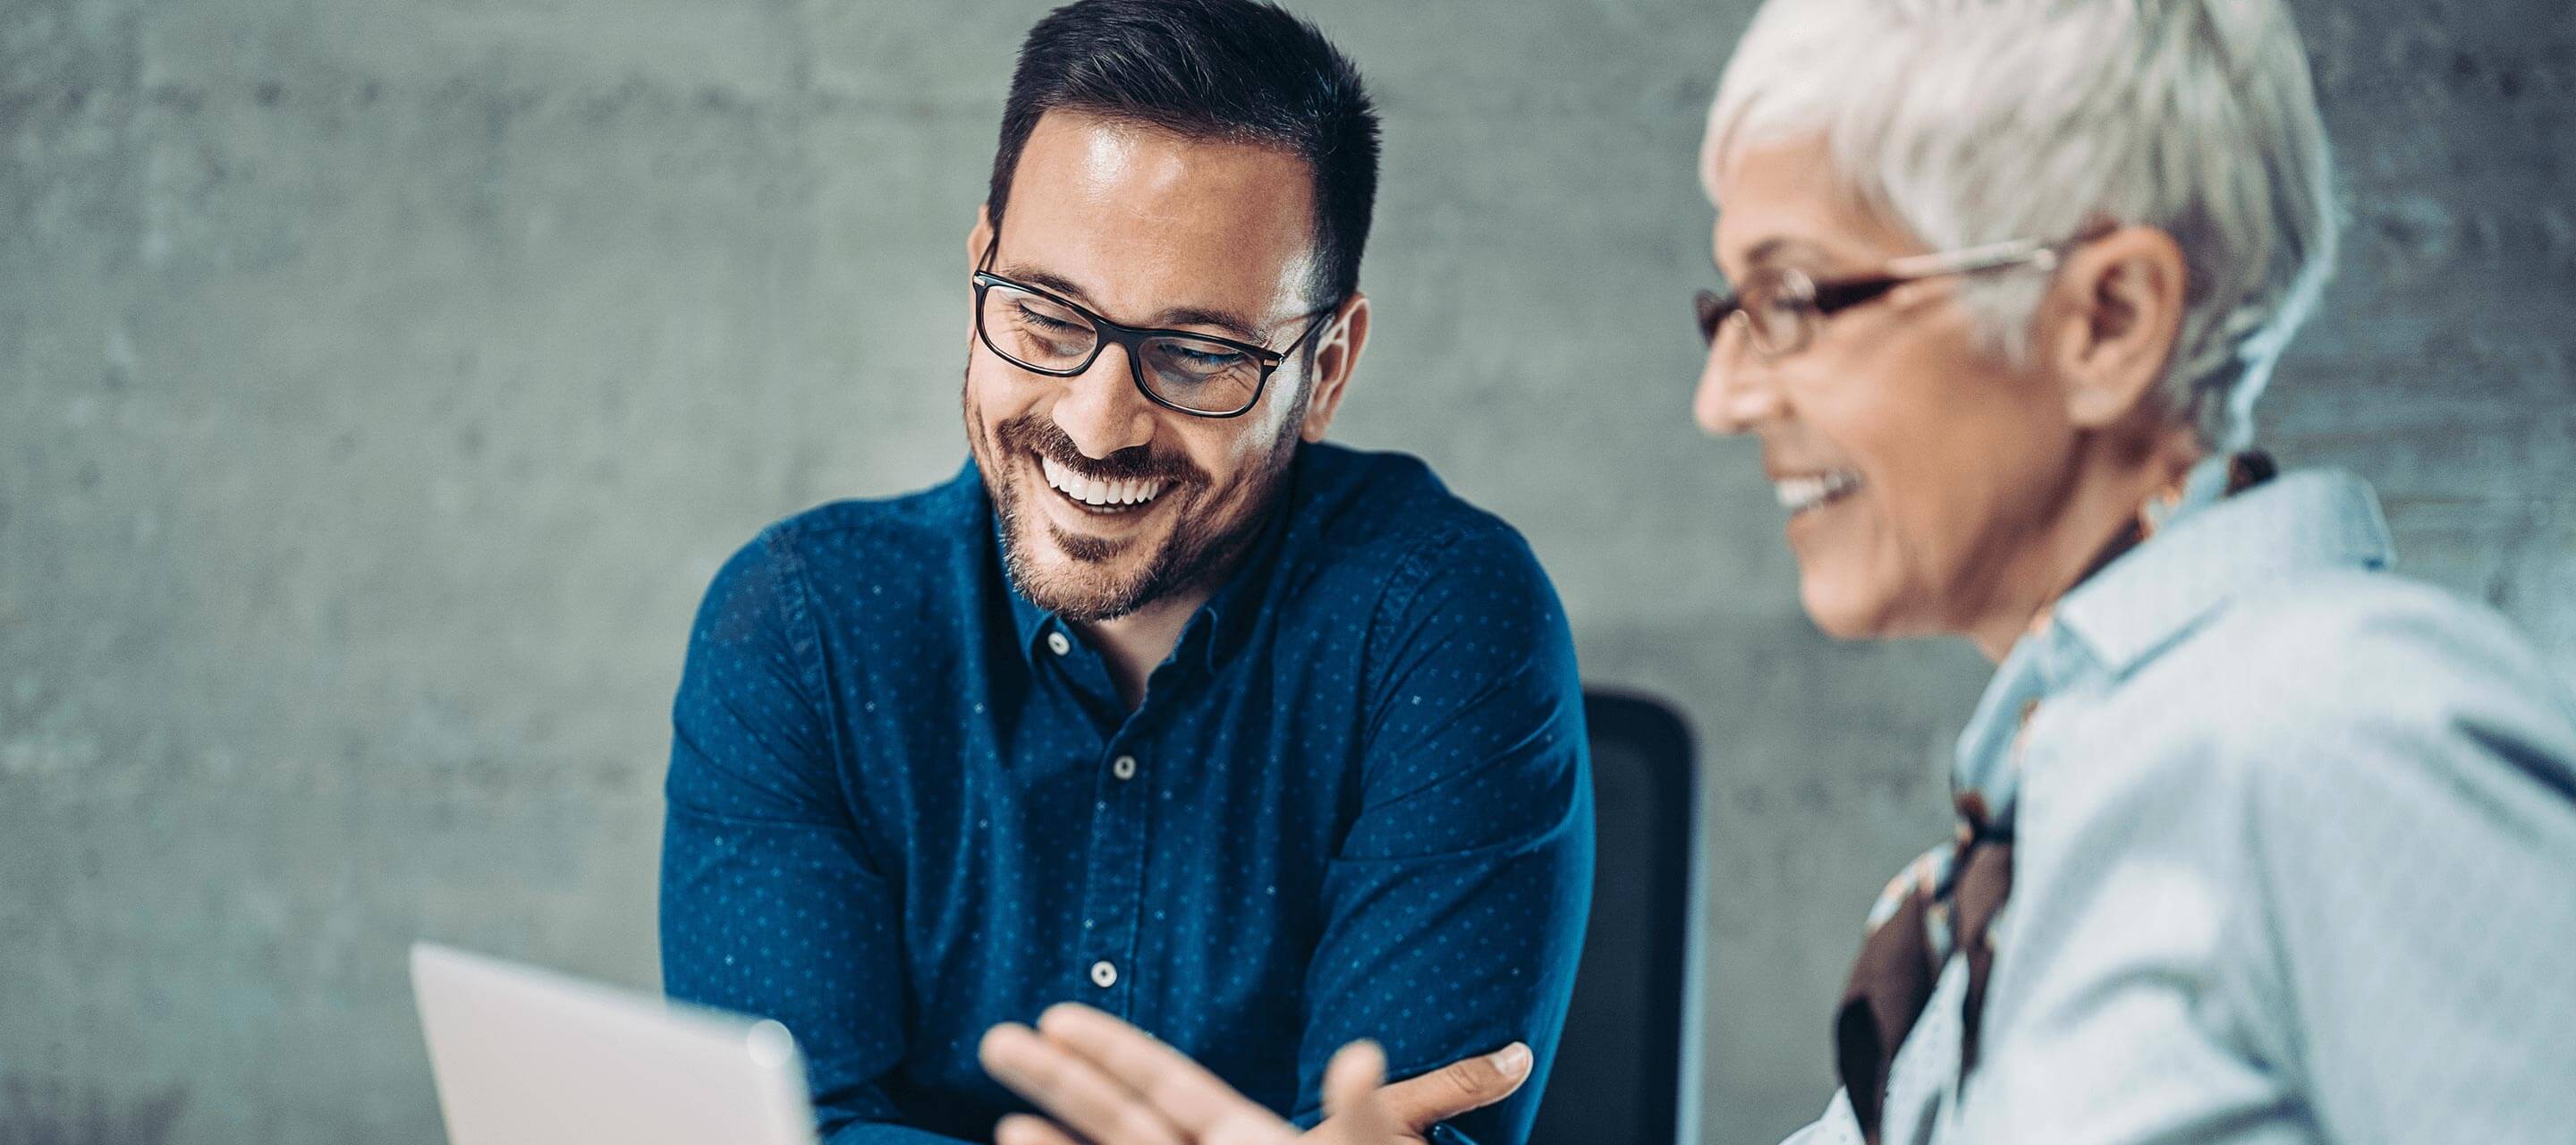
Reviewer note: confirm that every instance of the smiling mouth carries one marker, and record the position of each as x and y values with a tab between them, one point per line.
1103	497
1810	491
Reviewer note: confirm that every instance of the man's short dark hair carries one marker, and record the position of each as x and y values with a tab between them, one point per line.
1239	70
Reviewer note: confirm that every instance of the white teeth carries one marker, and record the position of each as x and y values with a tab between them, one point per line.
1798	494
1097	493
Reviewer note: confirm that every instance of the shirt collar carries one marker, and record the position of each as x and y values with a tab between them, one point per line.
1032	622
1227	619
2206	548
1029	621
2145	600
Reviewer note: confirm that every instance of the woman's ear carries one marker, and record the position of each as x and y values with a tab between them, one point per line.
1337	354
2117	312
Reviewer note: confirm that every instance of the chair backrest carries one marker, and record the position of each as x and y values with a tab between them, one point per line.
1618	1072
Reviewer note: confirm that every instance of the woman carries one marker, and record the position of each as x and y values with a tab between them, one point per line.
2258	842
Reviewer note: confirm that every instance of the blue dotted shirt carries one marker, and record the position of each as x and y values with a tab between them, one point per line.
905	804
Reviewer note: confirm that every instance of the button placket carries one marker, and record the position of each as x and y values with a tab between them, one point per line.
1113	905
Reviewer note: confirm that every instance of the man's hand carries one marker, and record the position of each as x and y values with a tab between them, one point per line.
1109	1083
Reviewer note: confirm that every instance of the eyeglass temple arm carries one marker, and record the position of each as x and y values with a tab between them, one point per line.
1991	256
2035	253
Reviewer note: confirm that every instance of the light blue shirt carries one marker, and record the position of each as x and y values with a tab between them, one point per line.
2295	858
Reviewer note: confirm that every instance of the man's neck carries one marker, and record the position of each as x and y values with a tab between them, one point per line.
1137	642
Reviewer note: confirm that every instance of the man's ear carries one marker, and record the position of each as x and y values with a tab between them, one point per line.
2116	313
1337	354
979	237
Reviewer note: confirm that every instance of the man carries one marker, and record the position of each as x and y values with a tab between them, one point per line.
1161	705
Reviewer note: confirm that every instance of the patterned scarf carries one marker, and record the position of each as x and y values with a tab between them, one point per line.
1949	900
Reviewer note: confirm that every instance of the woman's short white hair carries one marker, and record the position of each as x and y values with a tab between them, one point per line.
1978	121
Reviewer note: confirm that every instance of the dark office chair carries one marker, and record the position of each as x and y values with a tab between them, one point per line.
1617	1079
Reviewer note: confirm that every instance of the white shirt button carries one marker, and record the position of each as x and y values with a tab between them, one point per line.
1124	767
1103	974
1057	644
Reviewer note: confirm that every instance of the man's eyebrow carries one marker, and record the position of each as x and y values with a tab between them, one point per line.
1235	326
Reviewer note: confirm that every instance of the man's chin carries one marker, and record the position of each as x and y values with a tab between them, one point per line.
1084	599
1081	577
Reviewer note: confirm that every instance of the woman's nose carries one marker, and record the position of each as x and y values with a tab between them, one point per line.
1735	394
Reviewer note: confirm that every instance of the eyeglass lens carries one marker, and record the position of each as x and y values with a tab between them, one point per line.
1771	311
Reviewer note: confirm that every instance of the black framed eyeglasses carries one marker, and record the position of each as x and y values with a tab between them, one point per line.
1198	374
1780	309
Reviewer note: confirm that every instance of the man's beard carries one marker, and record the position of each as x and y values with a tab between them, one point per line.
1200	549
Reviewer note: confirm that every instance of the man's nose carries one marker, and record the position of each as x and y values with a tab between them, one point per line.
1735	392
1101	409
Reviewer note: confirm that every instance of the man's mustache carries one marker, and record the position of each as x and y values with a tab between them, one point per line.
1043	437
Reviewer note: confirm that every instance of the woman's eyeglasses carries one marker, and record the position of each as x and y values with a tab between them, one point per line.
1780	309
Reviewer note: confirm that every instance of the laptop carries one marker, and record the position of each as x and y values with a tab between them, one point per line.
525	1056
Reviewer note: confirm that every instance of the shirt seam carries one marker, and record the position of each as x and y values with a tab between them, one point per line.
1412	574
805	642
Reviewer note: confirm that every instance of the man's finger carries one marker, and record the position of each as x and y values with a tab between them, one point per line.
1181	1090
1419	1103
1071	1089
1022	1129
1351	1097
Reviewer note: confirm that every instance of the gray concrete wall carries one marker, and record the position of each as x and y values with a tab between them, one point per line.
381	382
